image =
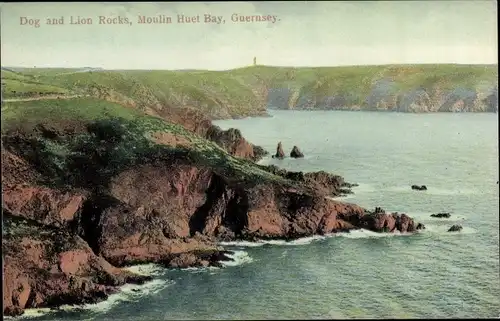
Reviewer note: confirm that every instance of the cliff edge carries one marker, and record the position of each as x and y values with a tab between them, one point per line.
90	186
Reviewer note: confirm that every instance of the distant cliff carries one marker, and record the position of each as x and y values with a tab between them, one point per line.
420	88
250	91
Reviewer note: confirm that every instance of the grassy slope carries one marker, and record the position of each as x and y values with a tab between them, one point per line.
134	131
239	92
16	85
218	94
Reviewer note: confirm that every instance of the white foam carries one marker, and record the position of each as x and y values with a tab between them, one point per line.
126	293
195	270
443	230
242	243
362	233
353	234
146	269
300	241
31	313
239	257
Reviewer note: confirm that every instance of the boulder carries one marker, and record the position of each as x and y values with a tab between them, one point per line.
441	215
455	228
296	153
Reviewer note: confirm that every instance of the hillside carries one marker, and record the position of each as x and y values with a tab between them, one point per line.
90	186
248	91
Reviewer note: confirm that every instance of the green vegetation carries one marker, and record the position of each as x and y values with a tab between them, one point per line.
115	138
243	92
28	113
21	85
19	88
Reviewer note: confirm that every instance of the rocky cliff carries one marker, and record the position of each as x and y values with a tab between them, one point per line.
414	89
250	91
84	197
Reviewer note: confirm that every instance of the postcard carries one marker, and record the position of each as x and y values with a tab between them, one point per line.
250	160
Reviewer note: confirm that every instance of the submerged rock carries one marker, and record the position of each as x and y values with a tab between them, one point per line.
196	259
296	153
455	228
419	188
441	215
163	205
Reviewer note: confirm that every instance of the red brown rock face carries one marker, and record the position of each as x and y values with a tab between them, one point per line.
296	153
64	245
279	151
231	140
43	267
49	206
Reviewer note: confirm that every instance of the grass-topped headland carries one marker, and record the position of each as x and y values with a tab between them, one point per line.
116	170
248	91
86	141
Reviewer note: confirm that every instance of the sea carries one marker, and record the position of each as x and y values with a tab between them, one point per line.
362	274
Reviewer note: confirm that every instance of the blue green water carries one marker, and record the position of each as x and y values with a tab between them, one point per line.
361	274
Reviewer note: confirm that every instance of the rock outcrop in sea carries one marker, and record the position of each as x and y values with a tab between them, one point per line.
81	200
279	151
455	228
441	215
296	153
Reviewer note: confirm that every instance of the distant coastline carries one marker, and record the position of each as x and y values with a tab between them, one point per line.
247	91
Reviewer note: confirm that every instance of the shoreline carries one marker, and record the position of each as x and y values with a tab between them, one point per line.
157	271
201	176
356	111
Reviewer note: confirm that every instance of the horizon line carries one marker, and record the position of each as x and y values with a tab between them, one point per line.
249	66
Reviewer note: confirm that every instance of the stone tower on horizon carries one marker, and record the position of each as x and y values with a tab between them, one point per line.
255	61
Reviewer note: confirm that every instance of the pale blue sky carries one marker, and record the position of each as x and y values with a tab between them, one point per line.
308	34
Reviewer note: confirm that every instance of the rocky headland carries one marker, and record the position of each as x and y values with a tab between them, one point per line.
83	197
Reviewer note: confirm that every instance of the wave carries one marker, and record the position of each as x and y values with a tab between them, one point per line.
195	270
300	241
146	269
239	257
31	313
354	234
125	293
362	233
443	230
